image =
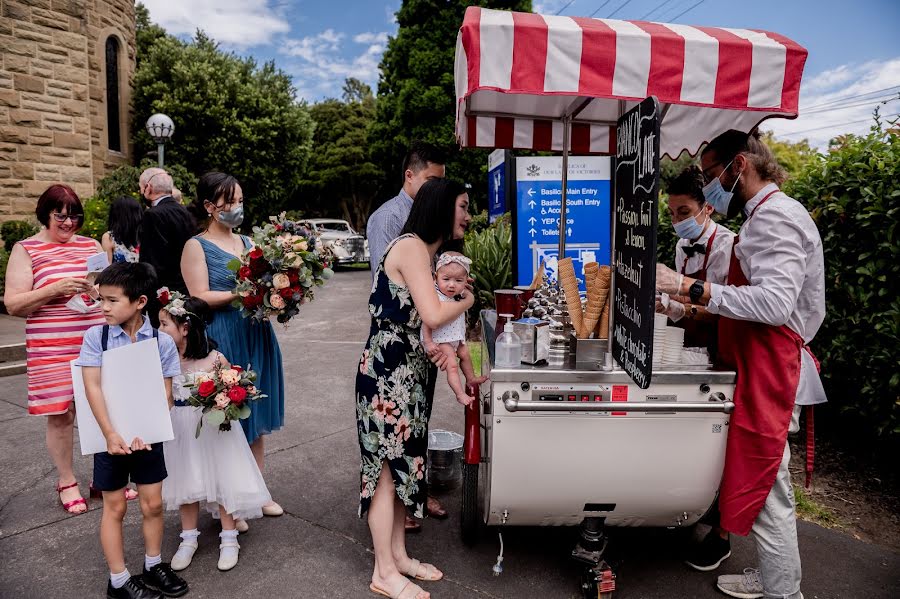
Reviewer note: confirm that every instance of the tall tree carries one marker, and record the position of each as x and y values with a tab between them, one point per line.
416	93
342	180
230	114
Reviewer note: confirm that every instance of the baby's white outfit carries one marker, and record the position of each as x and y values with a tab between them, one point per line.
453	332
216	468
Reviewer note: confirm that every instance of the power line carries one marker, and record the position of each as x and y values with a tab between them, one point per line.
852	97
658	6
890	116
670	10
627	2
869	102
600	7
687	11
570	3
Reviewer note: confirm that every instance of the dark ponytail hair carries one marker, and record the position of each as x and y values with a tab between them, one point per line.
433	212
125	215
210	188
198	315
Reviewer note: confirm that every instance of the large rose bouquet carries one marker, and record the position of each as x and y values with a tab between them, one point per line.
281	272
224	394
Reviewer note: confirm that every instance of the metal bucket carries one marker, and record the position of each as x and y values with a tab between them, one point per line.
444	459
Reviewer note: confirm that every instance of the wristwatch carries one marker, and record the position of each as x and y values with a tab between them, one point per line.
696	291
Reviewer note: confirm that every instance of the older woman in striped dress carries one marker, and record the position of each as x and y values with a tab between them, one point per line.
45	271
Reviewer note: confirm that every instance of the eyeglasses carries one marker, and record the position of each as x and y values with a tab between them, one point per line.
61	218
707	177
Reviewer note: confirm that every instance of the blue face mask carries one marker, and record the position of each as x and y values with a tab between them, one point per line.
716	195
689	228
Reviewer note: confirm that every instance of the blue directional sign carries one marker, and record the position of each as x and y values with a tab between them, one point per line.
538	203
497	184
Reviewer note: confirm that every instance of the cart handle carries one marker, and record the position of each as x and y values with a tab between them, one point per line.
512	404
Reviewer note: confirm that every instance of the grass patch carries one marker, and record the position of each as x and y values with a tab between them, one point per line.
811	511
475	352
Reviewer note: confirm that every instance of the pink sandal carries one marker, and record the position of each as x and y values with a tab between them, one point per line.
70	505
130	494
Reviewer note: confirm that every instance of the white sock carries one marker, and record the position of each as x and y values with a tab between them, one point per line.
149	562
229	534
119	580
190	535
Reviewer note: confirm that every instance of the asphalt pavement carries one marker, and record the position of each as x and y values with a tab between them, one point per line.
319	548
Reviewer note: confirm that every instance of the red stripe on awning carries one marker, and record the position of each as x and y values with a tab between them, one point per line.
666	61
581	138
598	56
543	135
504	132
735	65
470	132
529	41
471	38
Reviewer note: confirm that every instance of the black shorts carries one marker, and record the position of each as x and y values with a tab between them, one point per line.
112	472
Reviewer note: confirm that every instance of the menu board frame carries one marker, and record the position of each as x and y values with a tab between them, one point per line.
636	215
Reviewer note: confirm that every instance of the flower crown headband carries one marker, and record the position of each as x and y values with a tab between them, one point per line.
173	302
448	258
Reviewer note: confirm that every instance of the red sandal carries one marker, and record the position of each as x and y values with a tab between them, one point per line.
68	506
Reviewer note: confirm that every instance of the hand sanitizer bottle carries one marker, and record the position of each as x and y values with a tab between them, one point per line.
508	347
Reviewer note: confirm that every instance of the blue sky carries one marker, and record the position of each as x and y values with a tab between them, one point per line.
854	45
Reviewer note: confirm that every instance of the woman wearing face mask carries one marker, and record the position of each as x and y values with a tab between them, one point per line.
702	252
219	210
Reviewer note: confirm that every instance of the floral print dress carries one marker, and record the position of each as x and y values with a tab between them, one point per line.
394	392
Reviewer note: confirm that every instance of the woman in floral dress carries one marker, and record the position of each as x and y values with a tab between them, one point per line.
395	379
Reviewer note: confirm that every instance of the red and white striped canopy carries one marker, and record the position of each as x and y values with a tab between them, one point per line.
518	74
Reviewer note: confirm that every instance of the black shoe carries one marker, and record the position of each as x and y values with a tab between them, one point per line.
709	553
133	589
163	578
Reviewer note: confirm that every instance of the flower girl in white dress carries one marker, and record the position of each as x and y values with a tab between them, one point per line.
216	467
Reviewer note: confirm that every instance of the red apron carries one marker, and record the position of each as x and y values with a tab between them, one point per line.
767	361
697	333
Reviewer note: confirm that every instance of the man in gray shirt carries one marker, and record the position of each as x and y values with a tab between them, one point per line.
422	162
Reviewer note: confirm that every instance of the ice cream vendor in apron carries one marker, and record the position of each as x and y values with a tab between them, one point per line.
770	309
703	252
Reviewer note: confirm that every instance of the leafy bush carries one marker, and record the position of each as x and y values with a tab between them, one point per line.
853	197
96	217
14	231
491	254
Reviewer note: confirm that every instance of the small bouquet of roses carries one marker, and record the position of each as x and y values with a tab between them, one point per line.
281	272
225	395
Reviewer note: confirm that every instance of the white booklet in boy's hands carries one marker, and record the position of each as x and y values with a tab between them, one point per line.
135	394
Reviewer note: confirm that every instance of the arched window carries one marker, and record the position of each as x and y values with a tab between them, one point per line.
114	135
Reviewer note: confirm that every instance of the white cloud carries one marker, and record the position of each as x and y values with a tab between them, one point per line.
371	38
238	23
321	66
550	7
841	100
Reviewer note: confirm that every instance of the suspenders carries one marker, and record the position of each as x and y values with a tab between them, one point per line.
104	338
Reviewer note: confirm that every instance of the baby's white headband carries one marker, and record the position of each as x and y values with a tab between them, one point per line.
446	259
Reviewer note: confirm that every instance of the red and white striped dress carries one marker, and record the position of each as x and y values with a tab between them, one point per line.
53	332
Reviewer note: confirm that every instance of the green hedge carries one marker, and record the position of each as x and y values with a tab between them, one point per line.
853	195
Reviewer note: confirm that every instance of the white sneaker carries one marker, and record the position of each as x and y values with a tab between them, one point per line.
184	555
228	554
742	586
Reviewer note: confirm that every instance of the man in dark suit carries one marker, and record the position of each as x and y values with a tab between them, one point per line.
166	227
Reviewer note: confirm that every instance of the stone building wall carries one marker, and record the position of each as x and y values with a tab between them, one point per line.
53	118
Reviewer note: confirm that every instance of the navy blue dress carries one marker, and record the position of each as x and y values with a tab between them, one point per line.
246	342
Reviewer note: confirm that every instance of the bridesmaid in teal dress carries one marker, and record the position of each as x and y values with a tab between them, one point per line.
219	208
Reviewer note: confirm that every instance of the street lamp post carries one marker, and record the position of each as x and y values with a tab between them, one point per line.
160	127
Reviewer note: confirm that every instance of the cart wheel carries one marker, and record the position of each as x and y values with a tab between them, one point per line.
470	520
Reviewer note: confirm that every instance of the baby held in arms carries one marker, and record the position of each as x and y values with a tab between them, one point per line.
451	275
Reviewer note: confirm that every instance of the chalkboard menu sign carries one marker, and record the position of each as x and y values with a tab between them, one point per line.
637	215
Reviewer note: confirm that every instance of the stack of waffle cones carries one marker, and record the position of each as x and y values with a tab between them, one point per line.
569	285
597	283
538	277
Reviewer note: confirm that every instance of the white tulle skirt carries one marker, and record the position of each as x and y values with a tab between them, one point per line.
216	468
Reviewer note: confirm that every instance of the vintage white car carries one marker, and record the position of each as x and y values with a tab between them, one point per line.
346	245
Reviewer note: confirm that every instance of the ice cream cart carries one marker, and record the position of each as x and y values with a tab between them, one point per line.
613	441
